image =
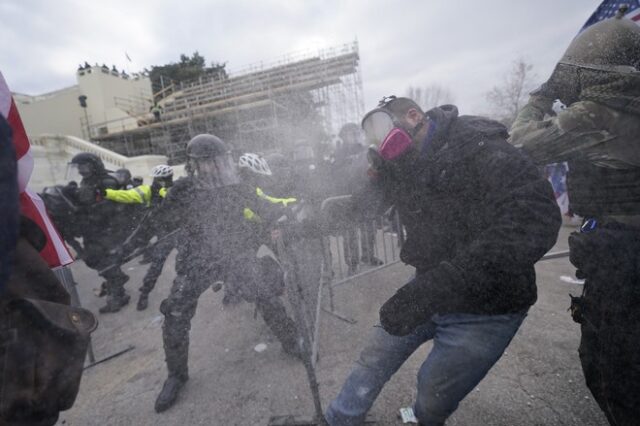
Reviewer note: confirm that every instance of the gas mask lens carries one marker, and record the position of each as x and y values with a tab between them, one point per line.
381	131
376	126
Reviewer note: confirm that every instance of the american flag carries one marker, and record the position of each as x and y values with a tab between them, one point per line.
557	173
609	8
55	253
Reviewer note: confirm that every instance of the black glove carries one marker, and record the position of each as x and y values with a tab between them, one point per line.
416	302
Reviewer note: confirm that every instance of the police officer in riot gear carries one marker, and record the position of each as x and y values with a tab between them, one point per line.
149	196
221	226
100	232
598	79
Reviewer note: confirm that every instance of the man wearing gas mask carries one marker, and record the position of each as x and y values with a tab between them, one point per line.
598	134
478	215
220	224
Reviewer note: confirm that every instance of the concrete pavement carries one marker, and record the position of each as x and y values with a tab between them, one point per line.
537	382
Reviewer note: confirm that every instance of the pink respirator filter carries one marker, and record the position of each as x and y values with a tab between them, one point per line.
395	144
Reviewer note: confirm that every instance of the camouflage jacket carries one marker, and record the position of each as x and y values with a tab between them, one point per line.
586	131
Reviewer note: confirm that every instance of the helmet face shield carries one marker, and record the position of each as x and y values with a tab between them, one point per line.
218	171
77	172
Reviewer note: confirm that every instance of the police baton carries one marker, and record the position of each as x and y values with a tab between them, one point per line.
137	252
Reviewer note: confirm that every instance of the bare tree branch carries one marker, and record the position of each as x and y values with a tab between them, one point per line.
507	99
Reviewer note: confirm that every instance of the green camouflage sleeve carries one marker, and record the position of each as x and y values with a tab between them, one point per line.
577	131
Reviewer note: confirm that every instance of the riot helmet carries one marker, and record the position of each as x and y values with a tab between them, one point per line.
123	177
611	45
85	165
210	162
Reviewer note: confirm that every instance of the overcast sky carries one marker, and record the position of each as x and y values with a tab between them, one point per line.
466	46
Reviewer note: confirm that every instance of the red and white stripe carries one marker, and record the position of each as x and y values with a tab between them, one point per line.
634	15
55	252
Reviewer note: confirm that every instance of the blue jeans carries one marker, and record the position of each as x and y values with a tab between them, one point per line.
465	347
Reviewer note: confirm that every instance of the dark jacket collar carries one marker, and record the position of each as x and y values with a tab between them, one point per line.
453	132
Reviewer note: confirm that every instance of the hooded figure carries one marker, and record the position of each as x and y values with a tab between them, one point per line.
478	215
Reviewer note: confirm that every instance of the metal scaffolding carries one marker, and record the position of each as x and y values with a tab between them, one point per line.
301	99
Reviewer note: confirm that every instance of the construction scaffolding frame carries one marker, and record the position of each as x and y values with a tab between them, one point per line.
302	98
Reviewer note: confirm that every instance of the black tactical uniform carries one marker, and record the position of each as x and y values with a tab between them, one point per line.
220	224
598	134
101	232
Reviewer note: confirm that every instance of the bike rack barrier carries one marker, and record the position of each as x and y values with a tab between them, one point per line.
65	276
335	248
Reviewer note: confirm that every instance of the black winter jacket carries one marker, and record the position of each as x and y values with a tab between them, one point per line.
101	221
478	216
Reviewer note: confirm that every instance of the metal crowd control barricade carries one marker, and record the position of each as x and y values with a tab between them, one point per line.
314	264
362	246
65	276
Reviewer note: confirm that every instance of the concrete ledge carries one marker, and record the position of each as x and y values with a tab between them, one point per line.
52	153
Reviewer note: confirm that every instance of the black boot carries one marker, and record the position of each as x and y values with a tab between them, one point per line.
114	303
275	315
175	336
169	392
143	302
117	298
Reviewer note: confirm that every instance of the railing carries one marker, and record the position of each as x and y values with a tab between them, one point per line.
165	92
73	144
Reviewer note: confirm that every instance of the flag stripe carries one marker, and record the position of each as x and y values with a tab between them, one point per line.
55	252
20	139
25	168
